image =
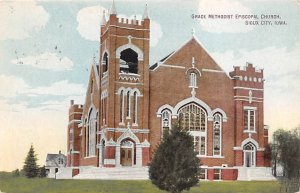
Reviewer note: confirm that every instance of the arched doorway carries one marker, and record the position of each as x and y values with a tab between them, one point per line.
127	153
249	155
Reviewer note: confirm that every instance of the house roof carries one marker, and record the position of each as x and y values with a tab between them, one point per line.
52	160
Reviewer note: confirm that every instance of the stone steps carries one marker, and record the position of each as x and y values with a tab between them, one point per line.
255	173
119	173
64	173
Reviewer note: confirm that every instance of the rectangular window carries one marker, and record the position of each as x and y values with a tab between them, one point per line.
217	174
203	173
202	147
249	119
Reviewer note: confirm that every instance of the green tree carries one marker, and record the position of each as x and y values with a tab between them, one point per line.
42	172
175	166
286	152
30	167
16	173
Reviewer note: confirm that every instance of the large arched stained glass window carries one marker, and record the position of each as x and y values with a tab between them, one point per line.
192	118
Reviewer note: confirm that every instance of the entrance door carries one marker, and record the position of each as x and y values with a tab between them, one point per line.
126	157
248	159
249	155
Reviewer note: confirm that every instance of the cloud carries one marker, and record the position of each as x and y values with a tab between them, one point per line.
46	61
89	19
11	86
26	15
61	88
281	71
223	7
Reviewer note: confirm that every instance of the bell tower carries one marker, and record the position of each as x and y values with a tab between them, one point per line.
124	79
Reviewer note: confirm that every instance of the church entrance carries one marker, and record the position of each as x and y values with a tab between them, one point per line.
127	153
249	155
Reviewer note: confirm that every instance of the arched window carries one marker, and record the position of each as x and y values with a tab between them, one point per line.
193	80
122	106
128	104
105	62
134	113
217	134
166	121
129	61
92	133
193	118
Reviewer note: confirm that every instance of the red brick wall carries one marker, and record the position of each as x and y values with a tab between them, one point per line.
229	174
146	154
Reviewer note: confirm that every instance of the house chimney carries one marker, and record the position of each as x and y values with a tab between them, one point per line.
71	102
59	152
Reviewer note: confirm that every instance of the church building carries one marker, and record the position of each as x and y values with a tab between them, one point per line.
130	104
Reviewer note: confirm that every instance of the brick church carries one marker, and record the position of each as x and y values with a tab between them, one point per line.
129	104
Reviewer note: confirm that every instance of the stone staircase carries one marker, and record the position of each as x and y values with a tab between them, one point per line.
255	173
119	173
64	173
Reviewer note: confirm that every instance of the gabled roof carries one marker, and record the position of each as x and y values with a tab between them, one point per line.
153	66
194	38
52	160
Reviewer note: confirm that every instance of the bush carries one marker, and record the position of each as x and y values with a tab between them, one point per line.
175	166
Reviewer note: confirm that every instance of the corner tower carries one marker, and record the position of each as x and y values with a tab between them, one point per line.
124	90
250	138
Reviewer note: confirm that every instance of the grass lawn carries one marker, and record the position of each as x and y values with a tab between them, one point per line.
9	184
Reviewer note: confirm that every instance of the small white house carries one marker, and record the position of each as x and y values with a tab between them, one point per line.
54	162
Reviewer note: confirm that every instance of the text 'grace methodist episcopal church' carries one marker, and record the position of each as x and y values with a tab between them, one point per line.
130	104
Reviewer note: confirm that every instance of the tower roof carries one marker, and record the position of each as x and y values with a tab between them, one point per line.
113	10
146	15
103	21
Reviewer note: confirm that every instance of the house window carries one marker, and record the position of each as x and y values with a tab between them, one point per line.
193	118
193	80
249	119
217	134
129	61
203	174
134	114
217	174
166	121
122	107
60	161
128	104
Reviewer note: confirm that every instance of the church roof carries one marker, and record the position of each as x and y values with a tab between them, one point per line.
153	66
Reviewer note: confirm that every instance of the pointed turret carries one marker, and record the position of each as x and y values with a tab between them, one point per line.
113	10
146	15
103	21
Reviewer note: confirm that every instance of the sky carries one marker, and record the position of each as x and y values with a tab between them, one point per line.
47	48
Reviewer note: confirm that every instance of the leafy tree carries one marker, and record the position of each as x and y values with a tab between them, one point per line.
16	173
286	152
30	167
175	166
42	172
